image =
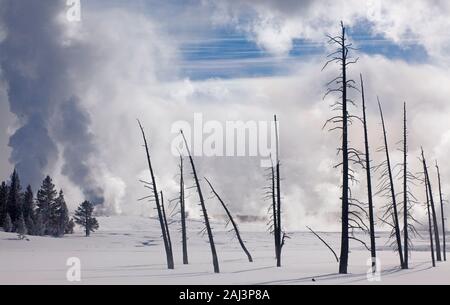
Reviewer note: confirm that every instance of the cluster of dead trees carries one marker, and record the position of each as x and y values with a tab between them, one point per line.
355	213
156	196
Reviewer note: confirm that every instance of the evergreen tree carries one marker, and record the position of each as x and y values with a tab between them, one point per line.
31	228
14	201
20	226
39	228
83	217
70	226
28	204
3	201
7	224
59	216
46	198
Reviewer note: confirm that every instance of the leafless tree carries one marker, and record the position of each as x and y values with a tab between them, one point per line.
369	182
203	207
183	214
408	198
166	224
154	197
386	189
442	213
430	223
433	211
231	220
340	85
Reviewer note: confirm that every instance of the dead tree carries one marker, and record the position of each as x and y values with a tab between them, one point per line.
442	213
430	224
155	197
203	206
433	212
325	243
183	214
231	220
369	183
278	230
270	194
166	223
408	200
341	56
387	189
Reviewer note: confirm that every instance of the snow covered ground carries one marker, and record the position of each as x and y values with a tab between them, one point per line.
128	250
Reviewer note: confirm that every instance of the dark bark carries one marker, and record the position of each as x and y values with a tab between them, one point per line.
170	261
373	250
343	262
405	190
433	213
183	214
430	225
205	212
392	190
166	224
278	192
233	223
274	211
325	243
442	213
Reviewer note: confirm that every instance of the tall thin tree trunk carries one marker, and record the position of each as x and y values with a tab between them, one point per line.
343	261
442	213
170	262
205	212
430	225
405	189
369	184
166	224
392	189
183	214
274	211
233	223
433	213
278	187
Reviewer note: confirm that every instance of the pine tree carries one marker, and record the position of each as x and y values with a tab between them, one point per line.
14	202
28	203
83	217
39	228
7	224
31	228
3	201
46	197
59	216
70	227
20	226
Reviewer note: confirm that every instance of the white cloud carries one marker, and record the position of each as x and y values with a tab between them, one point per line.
128	70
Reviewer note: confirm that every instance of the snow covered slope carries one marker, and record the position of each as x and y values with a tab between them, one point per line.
128	250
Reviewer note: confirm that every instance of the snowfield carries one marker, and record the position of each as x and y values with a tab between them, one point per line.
129	250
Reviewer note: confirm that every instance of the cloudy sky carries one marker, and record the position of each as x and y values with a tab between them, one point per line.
70	93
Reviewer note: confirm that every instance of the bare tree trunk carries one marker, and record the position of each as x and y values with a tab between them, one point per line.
325	243
170	262
369	184
233	223
166	224
274	211
183	214
343	261
392	189
205	212
433	213
278	192
405	190
430	226
442	213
